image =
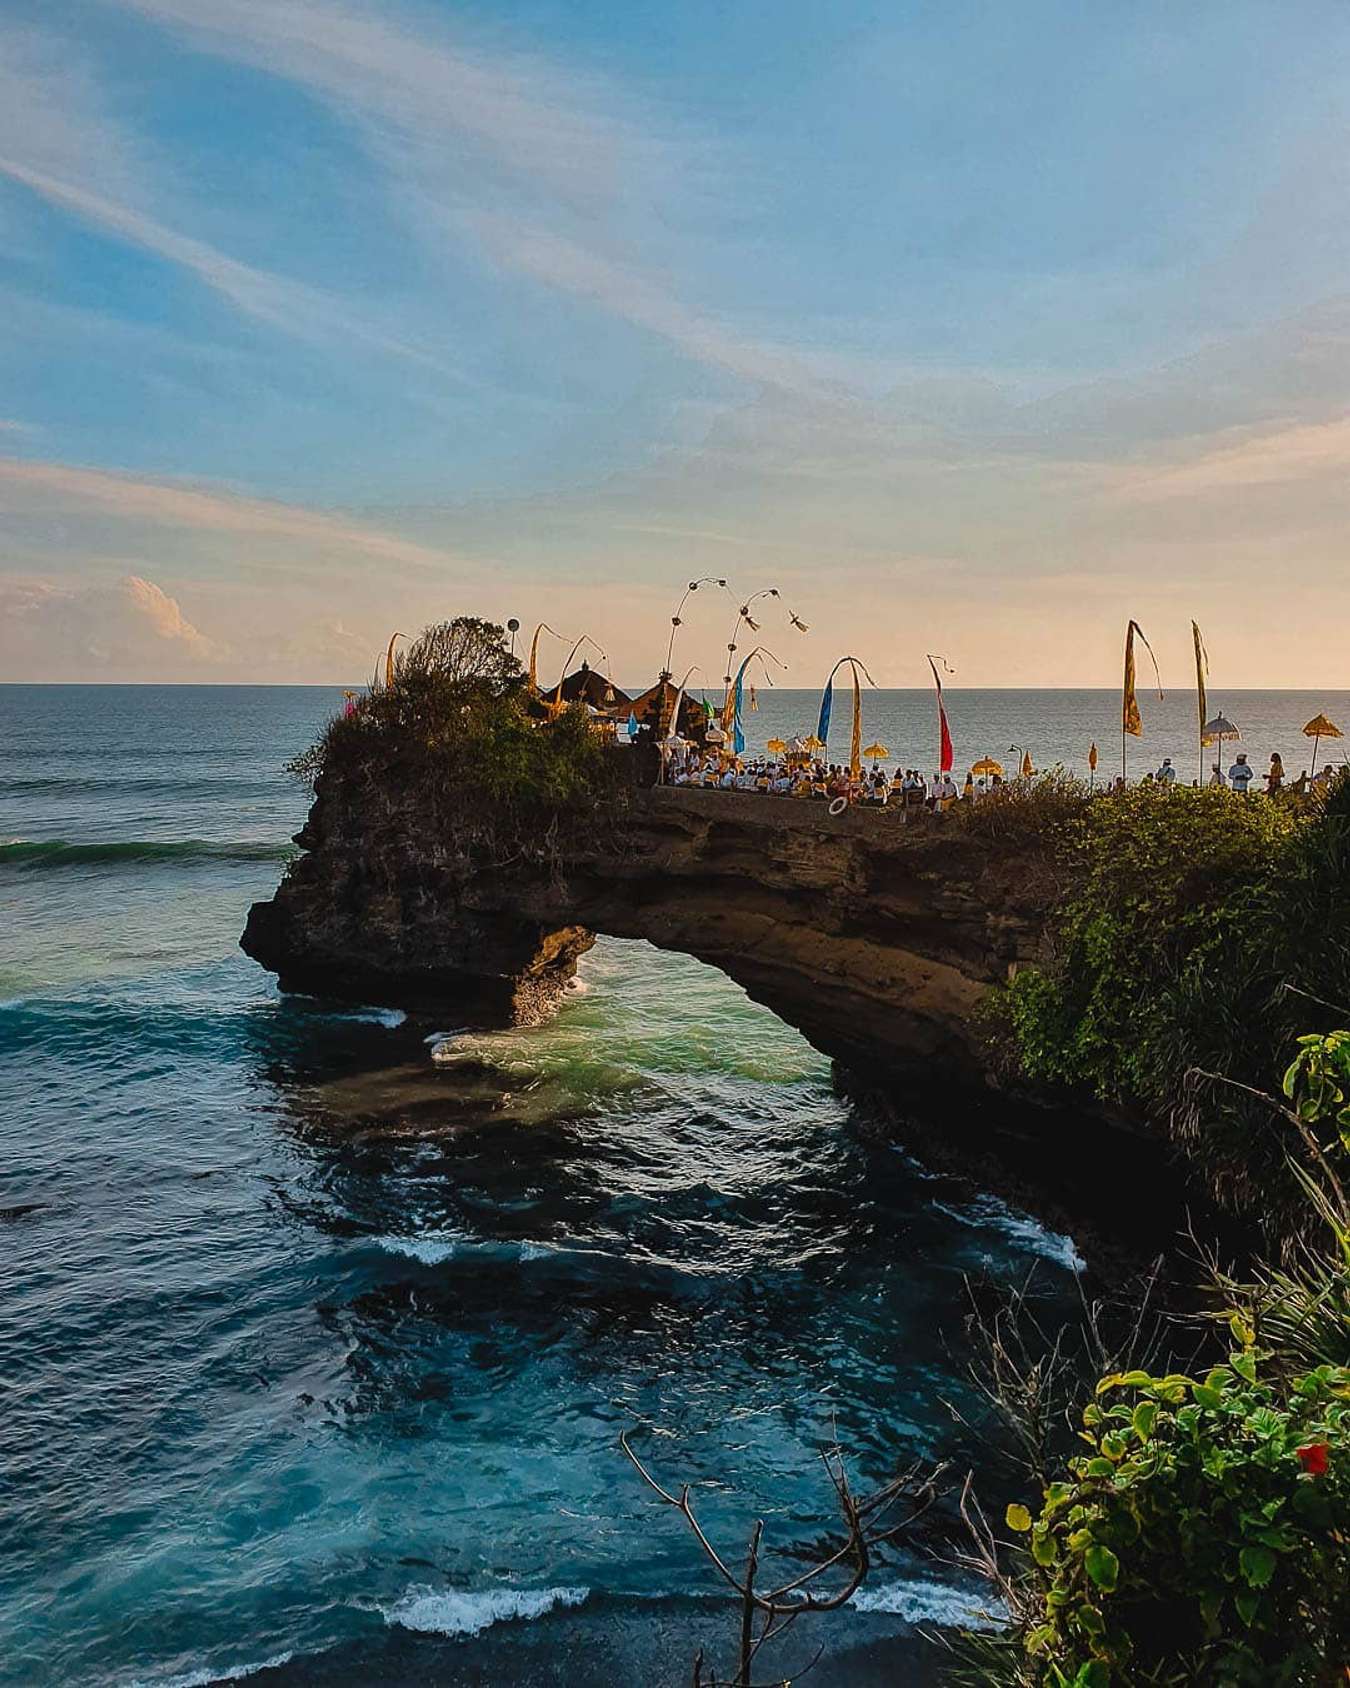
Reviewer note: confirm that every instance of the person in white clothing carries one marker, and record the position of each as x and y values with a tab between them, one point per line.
1216	775
1167	774
1240	774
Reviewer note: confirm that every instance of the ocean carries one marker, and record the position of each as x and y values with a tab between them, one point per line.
313	1362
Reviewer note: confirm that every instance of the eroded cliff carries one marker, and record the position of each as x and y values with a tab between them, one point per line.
874	937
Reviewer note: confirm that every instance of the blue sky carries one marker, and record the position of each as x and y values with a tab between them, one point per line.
987	323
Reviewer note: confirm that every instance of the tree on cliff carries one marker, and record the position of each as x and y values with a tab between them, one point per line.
450	747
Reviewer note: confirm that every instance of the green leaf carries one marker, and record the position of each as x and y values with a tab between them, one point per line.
1044	1548
1244	1365
1143	1418
1132	1379
1243	1334
1103	1566
1017	1518
1206	1396
1257	1565
1247	1600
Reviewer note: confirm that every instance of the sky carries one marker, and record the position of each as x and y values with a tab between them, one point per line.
972	328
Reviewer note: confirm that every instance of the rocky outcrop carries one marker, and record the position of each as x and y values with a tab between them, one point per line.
874	937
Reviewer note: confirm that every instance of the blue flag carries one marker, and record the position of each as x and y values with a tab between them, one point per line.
737	735
632	724
826	705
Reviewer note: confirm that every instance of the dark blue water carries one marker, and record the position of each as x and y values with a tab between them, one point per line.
316	1349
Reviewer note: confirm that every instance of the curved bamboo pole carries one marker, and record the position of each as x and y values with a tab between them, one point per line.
676	621
389	660
543	627
556	704
743	615
729	703
855	746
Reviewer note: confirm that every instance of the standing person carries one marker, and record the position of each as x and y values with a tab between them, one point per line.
1216	776
1240	774
1167	774
1275	775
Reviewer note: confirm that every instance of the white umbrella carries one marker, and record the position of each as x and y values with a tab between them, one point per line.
1218	730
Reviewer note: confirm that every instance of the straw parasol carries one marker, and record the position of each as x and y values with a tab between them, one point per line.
775	746
1318	729
876	753
986	765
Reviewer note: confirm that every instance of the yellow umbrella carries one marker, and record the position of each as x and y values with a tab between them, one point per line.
1319	728
775	747
811	742
1027	769
987	765
877	752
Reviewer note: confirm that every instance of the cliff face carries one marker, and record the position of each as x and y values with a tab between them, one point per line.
875	938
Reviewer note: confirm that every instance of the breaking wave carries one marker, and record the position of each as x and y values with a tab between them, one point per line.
465	1612
920	1602
214	1673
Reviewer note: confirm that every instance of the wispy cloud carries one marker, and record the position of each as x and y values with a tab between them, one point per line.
1298	452
288	305
165	505
542	171
556	134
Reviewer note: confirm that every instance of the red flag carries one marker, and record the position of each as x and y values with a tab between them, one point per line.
945	757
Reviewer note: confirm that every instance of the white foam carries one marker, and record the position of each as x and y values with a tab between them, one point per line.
213	1673
919	1602
988	1213
432	1248
470	1612
390	1017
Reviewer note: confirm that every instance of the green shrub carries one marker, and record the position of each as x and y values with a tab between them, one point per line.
456	745
1204	1537
1199	932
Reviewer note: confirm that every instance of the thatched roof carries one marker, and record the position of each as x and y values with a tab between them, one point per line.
585	685
656	704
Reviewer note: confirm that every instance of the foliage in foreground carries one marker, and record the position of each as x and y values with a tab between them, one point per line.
455	734
1203	1536
1200	931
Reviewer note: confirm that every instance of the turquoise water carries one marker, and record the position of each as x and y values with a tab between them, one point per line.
315	1350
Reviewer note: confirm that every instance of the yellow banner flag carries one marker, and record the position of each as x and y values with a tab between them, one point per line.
1129	714
1201	685
855	745
1129	711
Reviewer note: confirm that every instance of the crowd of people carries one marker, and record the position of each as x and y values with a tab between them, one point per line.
1241	776
813	778
686	764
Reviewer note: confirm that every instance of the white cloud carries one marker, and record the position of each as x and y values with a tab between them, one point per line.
129	630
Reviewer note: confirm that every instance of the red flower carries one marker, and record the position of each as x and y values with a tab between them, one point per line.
1314	1458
